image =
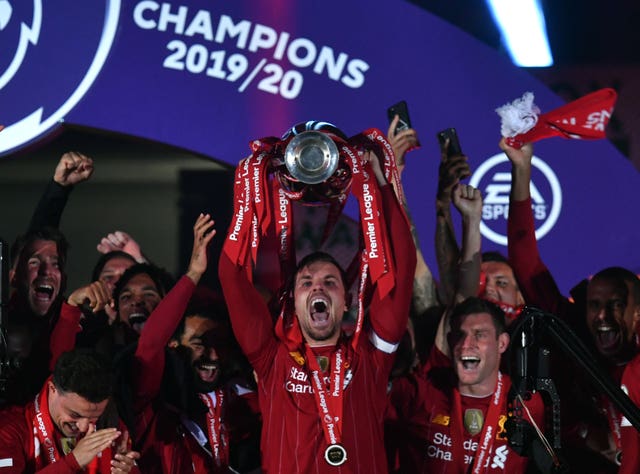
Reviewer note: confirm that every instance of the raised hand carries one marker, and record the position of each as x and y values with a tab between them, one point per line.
123	242
520	169
370	157
203	233
401	142
73	168
518	157
452	169
468	201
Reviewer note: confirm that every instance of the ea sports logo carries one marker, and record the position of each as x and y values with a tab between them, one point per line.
493	179
48	63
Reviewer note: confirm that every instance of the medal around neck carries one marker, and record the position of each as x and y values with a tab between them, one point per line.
335	455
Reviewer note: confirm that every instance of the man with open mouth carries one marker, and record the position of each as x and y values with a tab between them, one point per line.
456	420
38	275
608	306
192	410
322	391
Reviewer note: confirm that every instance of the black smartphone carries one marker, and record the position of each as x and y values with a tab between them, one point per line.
454	143
401	110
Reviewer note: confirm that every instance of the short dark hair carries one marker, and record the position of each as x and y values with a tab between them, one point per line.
104	259
623	275
86	373
215	311
43	233
493	256
319	256
474	305
160	278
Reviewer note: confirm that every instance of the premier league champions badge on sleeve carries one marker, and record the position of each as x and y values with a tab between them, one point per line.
51	54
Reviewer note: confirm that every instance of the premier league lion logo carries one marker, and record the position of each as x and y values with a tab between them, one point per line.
46	66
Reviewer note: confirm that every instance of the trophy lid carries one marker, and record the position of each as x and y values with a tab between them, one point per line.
311	157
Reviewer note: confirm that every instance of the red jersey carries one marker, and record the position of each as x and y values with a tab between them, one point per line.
630	438
293	440
425	410
170	443
20	448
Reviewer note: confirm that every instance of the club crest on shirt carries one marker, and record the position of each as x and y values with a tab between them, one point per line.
323	362
68	445
473	421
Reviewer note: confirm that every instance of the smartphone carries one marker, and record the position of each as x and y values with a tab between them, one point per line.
401	110
454	143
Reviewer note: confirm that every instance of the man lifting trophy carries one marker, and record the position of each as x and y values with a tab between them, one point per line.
322	390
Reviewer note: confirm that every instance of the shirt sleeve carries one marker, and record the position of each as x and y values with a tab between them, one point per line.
250	317
149	357
536	283
63	336
389	315
49	210
630	438
15	441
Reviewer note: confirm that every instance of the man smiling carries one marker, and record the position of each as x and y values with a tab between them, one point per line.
63	419
455	421
38	275
190	414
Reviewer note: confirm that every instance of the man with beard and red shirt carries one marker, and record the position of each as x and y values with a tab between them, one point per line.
190	414
323	404
606	315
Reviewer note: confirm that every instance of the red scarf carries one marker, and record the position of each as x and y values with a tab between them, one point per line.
584	118
45	449
260	200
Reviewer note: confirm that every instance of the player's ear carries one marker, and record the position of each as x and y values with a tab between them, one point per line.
503	342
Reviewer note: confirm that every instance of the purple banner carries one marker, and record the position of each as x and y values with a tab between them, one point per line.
211	76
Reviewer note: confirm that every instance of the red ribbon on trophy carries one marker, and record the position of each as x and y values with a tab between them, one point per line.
584	118
314	164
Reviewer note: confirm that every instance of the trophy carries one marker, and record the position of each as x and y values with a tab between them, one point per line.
311	168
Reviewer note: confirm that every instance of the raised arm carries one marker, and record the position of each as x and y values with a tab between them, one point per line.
424	294
163	321
73	168
468	201
452	169
250	317
93	298
535	281
389	315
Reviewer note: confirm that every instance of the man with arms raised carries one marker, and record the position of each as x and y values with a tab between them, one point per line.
323	402
606	315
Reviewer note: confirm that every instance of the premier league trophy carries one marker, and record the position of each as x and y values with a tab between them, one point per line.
313	164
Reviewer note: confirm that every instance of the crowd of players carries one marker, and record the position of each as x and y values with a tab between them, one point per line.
139	371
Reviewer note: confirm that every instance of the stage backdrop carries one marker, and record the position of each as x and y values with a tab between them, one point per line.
210	76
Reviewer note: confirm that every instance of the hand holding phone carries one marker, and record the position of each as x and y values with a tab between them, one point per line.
454	144
401	110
